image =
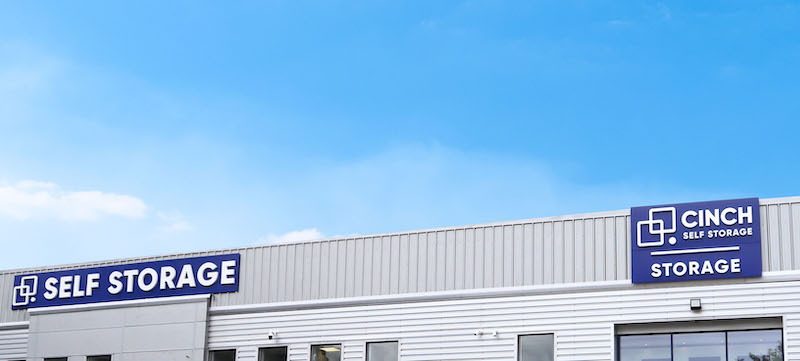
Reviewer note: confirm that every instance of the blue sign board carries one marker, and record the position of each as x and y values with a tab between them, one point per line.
174	277
696	241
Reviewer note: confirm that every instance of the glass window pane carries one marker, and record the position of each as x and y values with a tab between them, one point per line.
707	346
382	351
645	348
332	352
536	348
222	355
764	345
272	354
99	358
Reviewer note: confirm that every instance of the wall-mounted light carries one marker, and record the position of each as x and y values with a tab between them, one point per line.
695	305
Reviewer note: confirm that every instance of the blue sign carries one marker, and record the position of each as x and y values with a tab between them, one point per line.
696	241
174	277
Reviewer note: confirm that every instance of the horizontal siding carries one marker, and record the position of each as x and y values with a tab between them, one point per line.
583	323
557	250
13	344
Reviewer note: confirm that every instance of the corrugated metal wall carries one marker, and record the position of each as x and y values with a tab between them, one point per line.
13	343
592	249
582	322
583	248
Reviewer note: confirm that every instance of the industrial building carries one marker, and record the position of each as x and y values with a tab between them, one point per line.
707	281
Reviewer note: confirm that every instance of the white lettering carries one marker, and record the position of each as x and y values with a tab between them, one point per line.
167	277
725	220
666	266
685	217
228	272
207	269
64	286
76	289
50	286
147	287
655	270
116	284
748	214
721	266
736	265
92	283
712	217
129	274
679	269
694	268
186	277
707	268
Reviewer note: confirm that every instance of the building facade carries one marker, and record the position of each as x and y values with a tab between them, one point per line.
557	288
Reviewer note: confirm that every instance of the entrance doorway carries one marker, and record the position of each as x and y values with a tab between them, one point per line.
753	345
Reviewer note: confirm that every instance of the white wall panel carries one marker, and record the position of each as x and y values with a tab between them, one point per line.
13	343
583	322
154	332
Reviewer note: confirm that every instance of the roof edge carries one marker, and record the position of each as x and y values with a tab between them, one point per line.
570	217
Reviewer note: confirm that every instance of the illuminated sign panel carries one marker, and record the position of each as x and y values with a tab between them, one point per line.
174	277
696	241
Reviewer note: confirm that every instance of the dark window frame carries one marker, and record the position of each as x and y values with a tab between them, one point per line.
671	342
320	344
110	357
520	335
285	347
222	350
366	347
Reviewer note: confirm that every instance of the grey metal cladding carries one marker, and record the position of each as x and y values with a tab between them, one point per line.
553	250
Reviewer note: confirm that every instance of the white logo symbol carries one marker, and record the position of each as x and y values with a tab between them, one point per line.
26	290
660	231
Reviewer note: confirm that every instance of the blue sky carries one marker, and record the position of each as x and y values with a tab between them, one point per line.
174	126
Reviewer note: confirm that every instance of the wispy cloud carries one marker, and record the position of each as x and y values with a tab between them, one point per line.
618	22
174	222
309	234
27	200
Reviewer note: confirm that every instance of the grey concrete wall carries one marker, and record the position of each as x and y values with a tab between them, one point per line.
141	333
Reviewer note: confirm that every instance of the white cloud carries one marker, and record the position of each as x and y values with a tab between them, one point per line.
27	200
309	234
618	22
174	222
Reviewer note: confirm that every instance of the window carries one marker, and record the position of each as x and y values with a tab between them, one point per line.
272	354
763	345
535	348
331	352
99	358
222	355
382	351
707	346
645	348
759	345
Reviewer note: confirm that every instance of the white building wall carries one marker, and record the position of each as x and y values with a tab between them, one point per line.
127	331
583	321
